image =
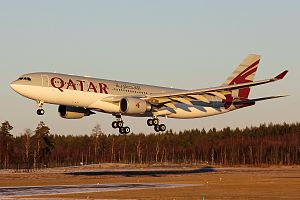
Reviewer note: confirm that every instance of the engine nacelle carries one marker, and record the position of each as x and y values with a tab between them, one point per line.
70	112
130	105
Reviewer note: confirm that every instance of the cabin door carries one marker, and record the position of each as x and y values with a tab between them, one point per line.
45	80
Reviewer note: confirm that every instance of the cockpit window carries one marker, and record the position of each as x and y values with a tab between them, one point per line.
24	78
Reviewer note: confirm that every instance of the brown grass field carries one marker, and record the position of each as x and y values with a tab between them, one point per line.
217	183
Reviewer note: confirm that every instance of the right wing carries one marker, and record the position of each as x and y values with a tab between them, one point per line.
169	99
186	97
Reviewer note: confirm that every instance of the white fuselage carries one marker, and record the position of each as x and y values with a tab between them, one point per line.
91	93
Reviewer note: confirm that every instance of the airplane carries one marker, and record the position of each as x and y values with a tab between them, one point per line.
80	96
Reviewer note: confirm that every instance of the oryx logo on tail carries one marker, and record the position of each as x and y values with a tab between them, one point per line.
244	73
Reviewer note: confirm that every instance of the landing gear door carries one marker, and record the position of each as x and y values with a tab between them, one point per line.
45	81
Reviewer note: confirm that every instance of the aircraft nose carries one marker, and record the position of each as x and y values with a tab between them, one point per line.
14	85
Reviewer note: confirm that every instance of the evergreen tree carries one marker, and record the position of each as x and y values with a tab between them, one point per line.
43	145
5	144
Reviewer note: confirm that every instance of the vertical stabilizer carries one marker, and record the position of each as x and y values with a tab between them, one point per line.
244	73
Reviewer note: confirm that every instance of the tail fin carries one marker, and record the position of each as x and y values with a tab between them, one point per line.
244	73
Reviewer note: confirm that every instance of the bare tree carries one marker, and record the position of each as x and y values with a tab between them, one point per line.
26	144
156	152
139	151
113	149
96	134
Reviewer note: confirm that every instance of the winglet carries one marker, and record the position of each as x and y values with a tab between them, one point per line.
281	75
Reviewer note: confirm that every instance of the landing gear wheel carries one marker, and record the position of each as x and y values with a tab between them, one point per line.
155	121
162	127
114	124
127	130
150	122
156	128
120	124
40	111
122	130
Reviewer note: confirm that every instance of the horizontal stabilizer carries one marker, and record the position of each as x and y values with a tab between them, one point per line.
252	101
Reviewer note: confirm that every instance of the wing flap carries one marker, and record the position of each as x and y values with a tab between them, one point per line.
199	97
218	94
182	100
170	105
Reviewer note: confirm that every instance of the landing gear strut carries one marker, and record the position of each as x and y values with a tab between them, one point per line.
120	125
155	122
40	111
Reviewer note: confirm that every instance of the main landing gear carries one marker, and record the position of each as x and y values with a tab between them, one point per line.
157	127
40	111
120	125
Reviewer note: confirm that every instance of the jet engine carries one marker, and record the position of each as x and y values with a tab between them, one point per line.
71	112
130	105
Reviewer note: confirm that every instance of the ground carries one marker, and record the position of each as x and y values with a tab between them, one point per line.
203	182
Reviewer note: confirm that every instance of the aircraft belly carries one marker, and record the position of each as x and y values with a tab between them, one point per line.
105	106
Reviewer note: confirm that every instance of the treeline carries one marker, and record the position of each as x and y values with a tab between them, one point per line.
273	144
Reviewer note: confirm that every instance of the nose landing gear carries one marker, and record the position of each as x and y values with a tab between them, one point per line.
40	111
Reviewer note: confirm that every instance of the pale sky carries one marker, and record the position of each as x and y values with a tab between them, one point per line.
183	44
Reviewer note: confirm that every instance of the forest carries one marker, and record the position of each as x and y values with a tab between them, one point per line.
272	144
